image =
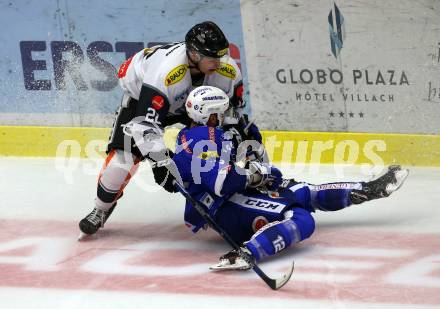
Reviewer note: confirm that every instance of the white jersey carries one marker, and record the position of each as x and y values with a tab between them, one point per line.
166	69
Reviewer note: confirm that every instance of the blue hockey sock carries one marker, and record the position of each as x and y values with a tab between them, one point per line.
277	235
332	196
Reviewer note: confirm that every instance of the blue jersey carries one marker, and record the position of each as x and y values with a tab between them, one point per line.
266	223
203	158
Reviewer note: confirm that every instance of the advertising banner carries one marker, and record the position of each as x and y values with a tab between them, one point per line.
349	66
60	58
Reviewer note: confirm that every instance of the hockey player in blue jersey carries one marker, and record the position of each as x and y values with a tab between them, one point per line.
252	202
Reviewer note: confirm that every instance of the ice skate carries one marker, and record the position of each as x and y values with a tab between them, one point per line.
232	261
94	221
381	187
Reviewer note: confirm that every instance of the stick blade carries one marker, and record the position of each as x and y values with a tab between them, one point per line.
277	283
280	282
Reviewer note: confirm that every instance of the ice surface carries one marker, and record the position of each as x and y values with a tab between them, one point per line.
382	254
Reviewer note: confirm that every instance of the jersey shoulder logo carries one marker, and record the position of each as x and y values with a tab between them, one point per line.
124	67
148	51
227	70
259	222
176	75
222	52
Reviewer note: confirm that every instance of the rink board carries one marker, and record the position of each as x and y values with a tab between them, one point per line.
282	146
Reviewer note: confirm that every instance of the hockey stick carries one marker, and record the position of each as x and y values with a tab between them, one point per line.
274	284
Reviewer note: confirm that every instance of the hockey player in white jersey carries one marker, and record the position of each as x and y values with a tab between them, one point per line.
156	82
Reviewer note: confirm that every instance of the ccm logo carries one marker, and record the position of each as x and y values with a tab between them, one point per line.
260	203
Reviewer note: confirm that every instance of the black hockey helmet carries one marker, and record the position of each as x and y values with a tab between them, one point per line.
207	39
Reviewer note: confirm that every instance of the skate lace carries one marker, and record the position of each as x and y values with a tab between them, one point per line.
379	186
387	181
231	256
96	217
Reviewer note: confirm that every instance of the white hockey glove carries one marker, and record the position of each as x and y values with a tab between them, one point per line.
263	176
147	136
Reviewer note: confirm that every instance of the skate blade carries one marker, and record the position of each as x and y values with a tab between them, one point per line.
225	265
83	236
